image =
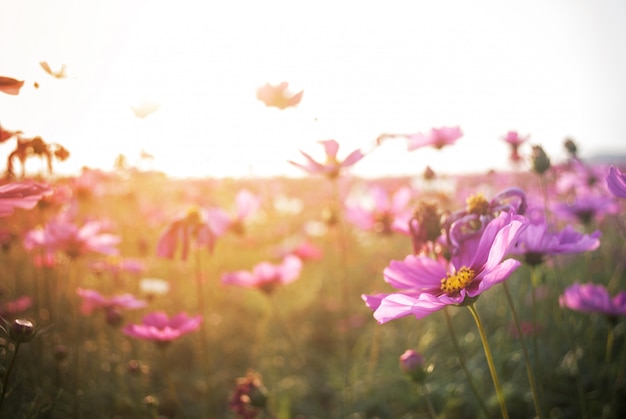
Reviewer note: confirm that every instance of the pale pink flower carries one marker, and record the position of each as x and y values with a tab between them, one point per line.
386	213
436	138
160	328
278	96
24	195
332	167
266	276
62	235
93	300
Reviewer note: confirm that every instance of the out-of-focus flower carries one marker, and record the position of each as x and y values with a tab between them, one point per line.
10	86
412	364
160	328
514	140
332	167
24	195
93	300
540	160
593	298
249	397
426	285
527	328
62	235
266	276
385	214
19	305
116	265
425	226
437	138
246	204
587	207
540	240
571	148
278	96
190	228
616	182
304	250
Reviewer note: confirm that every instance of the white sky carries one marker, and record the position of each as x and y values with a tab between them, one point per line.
550	69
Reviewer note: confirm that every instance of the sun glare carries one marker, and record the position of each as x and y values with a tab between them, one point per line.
180	82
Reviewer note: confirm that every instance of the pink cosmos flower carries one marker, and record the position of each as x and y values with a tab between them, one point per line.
387	213
93	300
246	204
15	306
304	250
266	276
539	240
426	285
587	207
332	167
616	182
62	235
514	140
160	328
24	195
10	86
436	138
593	298
190	228
277	96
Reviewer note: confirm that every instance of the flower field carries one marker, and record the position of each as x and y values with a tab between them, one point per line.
129	294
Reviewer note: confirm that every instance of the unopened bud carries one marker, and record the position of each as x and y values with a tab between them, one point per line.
22	330
540	160
412	363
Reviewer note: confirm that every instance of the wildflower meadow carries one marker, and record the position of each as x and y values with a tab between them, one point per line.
132	294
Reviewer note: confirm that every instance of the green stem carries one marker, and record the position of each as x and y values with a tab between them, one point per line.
461	359
492	367
429	403
529	370
7	375
609	346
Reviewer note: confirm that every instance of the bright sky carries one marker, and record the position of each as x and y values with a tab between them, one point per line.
550	69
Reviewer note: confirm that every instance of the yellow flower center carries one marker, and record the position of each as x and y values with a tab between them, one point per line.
477	204
453	283
193	216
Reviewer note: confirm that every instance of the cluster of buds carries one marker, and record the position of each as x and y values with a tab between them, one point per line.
249	397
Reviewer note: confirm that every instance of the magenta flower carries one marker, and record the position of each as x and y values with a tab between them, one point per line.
593	298
160	328
277	96
24	195
616	182
426	285
587	207
386	214
436	138
266	276
16	306
93	300
539	240
332	167
62	235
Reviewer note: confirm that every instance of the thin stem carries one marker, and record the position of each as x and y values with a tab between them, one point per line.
7	375
492	367
421	388
609	346
461	359
529	370
284	329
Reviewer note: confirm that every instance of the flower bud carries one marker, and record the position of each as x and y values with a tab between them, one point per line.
22	330
540	160
412	363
